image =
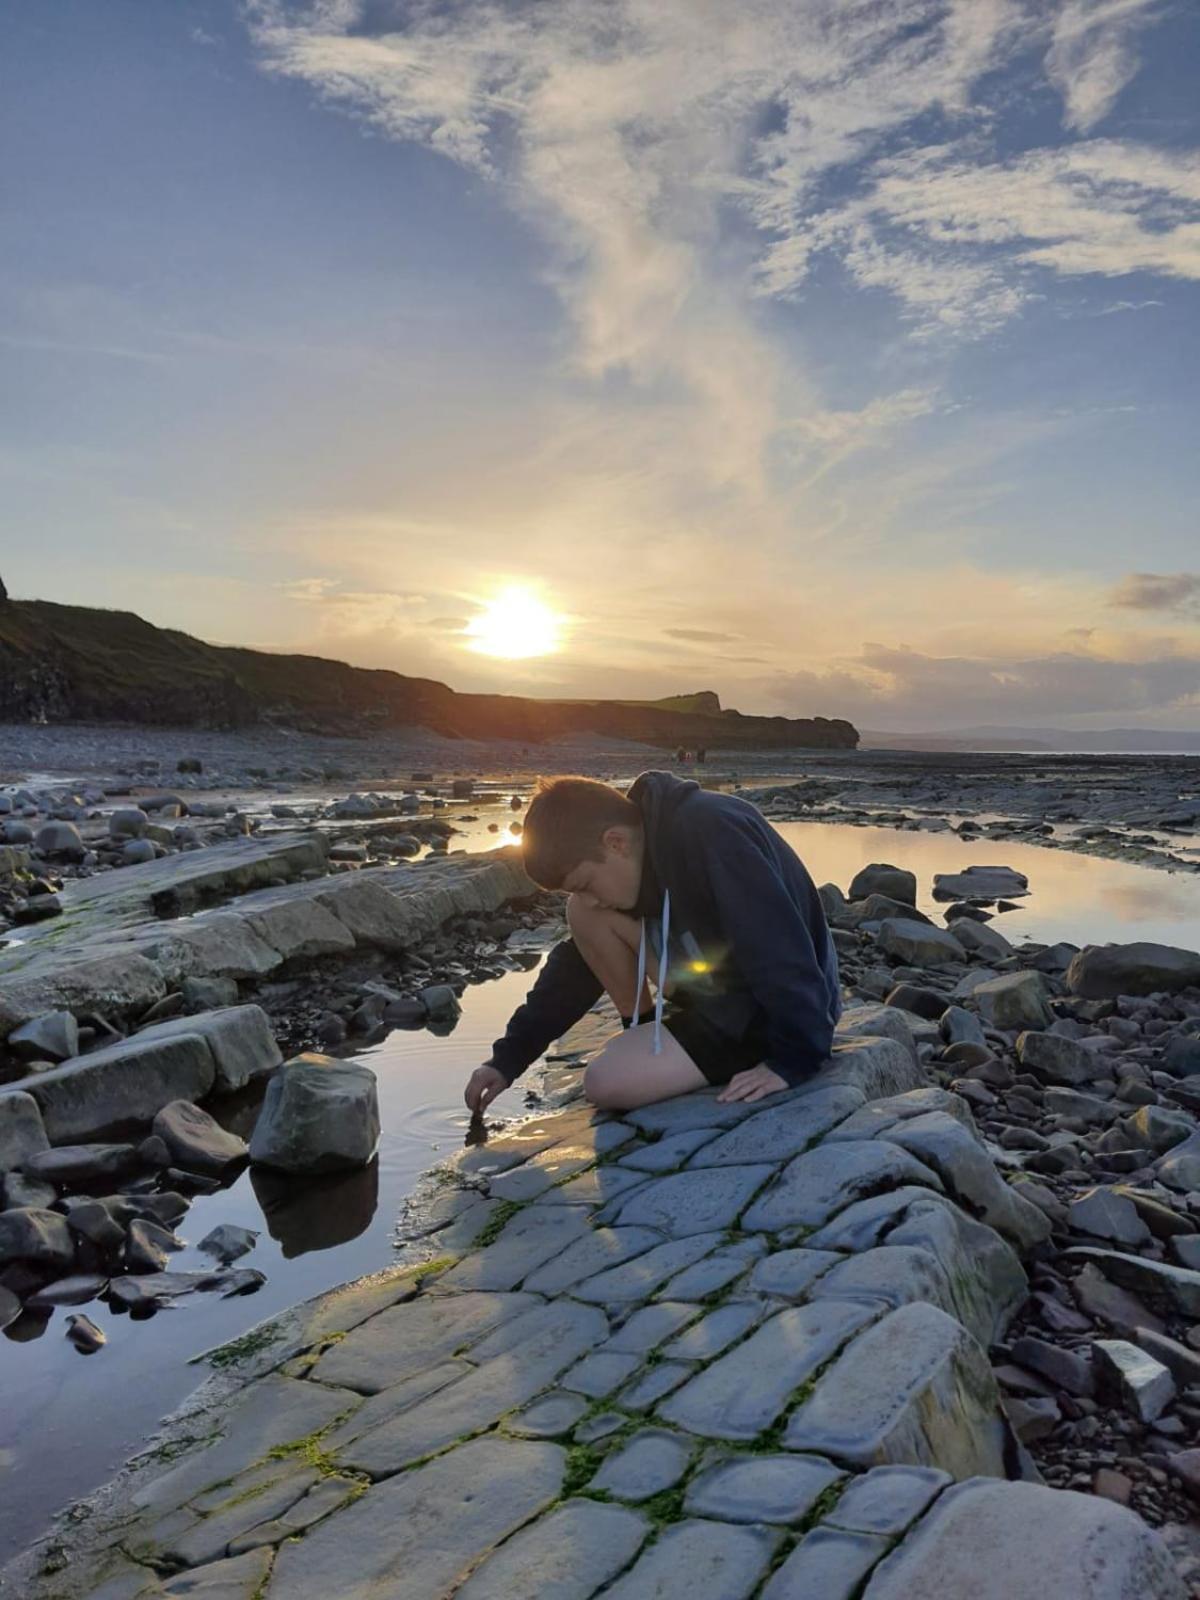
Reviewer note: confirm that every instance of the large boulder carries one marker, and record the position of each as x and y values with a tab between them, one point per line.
882	878
919	944
128	822
1015	1541
59	841
22	1134
1103	971
318	1115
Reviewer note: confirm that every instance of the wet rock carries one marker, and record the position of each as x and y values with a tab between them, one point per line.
83	1163
10	1307
54	1036
75	1290
921	1002
154	1289
84	1334
880	878
33	1235
93	1221
319	1115
197	1142
16	1189
236	1281
22	1134
979	883
124	1082
1101	972
148	1246
227	1242
1136	1380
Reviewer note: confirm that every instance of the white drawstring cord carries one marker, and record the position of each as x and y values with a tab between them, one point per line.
662	974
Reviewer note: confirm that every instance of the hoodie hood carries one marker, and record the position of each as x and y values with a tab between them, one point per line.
657	795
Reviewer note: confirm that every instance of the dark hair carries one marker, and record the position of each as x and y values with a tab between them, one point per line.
566	820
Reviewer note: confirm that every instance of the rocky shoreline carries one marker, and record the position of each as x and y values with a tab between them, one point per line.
1075	1073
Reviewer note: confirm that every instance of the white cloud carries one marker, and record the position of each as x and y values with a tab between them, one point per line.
1092	55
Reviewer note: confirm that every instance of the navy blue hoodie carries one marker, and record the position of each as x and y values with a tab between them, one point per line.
757	955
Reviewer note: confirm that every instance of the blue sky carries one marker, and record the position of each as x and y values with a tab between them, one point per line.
836	355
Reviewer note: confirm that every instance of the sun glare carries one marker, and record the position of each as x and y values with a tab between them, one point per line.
514	624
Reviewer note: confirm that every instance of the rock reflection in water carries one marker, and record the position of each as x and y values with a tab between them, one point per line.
305	1214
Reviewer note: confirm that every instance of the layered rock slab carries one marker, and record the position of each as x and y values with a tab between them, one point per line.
422	1532
995	1541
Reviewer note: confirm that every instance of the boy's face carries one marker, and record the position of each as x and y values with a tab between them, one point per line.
614	883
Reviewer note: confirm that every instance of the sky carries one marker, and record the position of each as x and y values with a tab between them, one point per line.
837	355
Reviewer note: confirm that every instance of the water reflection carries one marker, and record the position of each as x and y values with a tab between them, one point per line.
304	1214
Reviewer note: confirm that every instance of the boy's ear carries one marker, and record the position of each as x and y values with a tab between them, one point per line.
616	839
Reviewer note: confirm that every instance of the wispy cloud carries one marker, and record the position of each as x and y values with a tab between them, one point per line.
700	636
1093	54
1159	591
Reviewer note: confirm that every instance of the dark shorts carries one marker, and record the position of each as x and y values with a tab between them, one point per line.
718	1057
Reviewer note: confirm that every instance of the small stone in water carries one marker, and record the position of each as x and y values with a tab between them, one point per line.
84	1334
227	1242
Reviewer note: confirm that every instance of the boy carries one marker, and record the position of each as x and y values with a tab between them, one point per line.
737	937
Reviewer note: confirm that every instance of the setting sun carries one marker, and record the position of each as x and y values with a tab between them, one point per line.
515	624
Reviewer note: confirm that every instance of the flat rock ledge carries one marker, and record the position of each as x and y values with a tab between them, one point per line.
699	1350
126	938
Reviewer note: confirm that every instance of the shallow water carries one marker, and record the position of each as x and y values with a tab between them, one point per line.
68	1421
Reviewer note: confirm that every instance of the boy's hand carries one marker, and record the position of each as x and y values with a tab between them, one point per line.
484	1084
753	1084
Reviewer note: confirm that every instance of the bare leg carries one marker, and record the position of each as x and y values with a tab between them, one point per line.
626	1072
608	942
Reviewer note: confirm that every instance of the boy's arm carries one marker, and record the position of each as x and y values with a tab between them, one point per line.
770	944
566	988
